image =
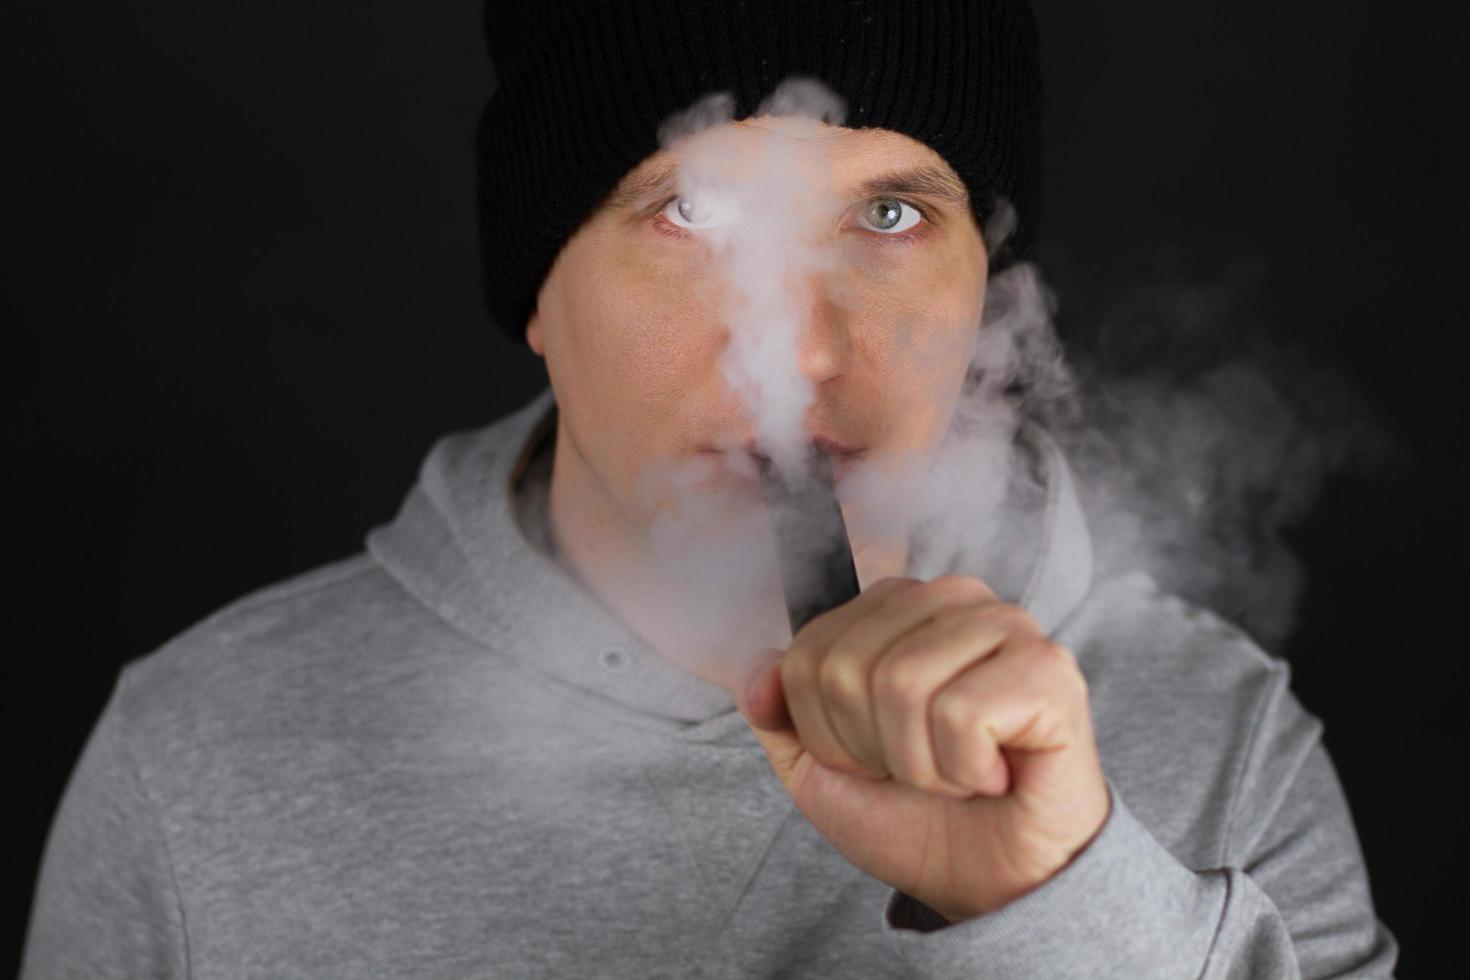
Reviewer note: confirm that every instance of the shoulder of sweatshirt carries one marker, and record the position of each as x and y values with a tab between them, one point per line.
287	660
1196	724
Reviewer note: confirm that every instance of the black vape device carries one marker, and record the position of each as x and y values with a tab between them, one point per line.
817	569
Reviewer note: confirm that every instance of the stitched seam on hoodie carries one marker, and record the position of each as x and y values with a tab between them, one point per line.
157	810
1238	783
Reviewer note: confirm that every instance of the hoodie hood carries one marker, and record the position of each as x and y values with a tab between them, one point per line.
458	547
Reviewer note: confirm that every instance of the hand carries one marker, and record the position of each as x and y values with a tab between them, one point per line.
937	738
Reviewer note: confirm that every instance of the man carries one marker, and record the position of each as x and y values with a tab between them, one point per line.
549	724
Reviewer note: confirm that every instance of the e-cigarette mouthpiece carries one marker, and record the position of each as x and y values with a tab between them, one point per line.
817	569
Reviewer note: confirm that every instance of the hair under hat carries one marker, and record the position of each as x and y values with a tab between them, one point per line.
585	84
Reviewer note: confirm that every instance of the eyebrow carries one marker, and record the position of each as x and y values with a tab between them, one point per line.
642	183
926	180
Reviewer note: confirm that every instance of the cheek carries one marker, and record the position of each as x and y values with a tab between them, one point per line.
636	341
917	333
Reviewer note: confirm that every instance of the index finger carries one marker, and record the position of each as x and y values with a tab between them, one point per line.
822	630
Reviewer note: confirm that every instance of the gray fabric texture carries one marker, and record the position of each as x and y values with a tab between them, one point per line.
443	758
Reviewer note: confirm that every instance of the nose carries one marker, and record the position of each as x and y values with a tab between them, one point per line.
825	346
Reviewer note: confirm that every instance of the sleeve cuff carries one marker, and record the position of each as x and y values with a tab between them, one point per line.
1123	907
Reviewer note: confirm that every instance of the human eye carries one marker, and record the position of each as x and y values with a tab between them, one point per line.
890	215
699	212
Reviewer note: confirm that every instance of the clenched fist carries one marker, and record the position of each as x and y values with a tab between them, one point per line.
937	738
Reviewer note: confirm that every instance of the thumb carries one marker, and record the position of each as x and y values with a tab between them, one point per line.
761	699
762	702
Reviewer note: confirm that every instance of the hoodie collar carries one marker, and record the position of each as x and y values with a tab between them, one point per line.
458	547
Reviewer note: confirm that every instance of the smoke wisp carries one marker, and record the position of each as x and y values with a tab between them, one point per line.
1190	471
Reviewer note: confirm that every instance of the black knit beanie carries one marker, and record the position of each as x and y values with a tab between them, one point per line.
584	85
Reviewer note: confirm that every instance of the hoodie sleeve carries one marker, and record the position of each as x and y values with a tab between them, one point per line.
106	903
1289	899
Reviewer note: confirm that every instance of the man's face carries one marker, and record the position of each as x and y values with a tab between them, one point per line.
632	317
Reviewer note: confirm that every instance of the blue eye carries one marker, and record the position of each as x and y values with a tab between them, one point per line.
890	215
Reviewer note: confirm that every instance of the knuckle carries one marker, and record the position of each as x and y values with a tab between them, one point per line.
1079	685
1054	655
1015	619
841	680
957	718
961	587
900	683
797	669
1063	666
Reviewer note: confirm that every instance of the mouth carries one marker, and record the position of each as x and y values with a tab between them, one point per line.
745	464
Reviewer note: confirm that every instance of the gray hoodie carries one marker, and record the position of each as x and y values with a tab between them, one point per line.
444	758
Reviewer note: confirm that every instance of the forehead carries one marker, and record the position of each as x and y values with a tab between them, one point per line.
858	162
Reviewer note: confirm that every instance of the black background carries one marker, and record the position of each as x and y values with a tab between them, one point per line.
246	304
